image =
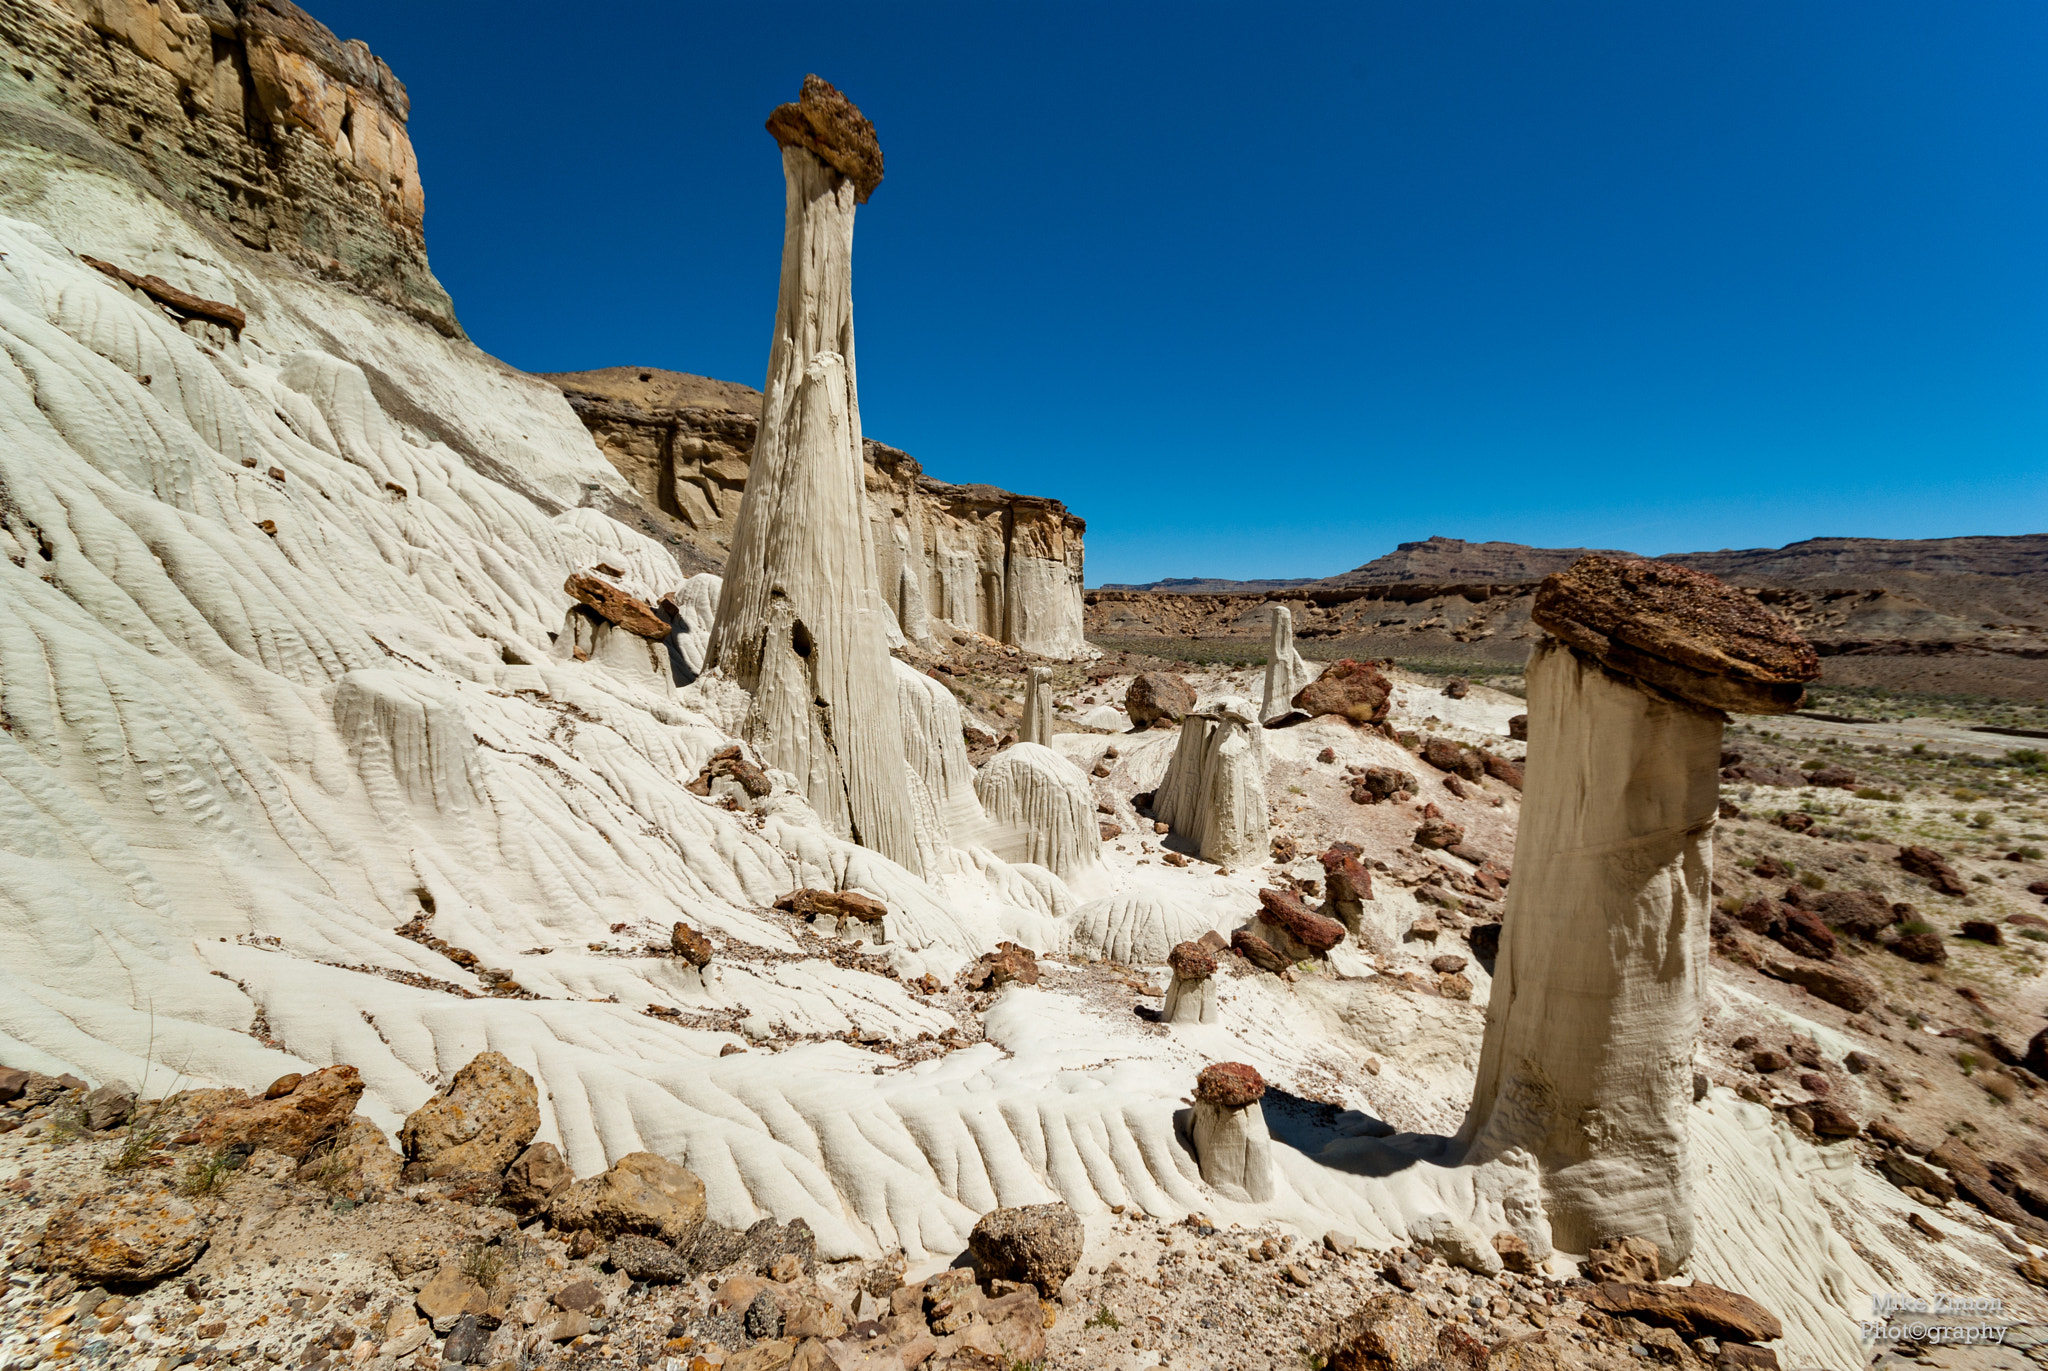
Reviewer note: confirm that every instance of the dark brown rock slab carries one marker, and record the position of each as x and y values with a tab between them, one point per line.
1680	630
615	605
1286	911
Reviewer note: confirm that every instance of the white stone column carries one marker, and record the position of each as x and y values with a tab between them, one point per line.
800	620
1037	724
1286	672
1586	1066
1228	1129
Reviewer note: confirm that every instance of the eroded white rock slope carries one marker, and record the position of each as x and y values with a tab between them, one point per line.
276	673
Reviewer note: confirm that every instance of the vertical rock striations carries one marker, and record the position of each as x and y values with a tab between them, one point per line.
1037	723
1215	786
800	626
1286	672
1587	1061
1043	807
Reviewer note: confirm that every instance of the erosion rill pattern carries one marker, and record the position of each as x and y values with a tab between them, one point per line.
1587	1061
1286	672
800	624
1044	807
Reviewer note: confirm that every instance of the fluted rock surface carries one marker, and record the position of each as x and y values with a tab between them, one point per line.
799	624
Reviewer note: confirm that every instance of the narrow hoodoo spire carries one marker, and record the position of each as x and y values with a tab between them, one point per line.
1587	1061
801	625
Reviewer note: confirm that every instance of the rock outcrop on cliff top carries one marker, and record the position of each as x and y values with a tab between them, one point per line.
1004	565
282	136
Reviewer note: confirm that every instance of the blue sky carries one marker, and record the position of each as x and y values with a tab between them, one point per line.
1262	291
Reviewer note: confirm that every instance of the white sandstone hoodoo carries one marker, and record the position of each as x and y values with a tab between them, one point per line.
1042	807
1215	787
1286	671
1228	1129
1191	998
1037	725
801	625
1587	1060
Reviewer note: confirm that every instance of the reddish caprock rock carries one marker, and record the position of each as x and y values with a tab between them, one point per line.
1230	1085
832	128
1191	961
1286	911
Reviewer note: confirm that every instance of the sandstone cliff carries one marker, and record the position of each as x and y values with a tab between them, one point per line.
249	111
978	558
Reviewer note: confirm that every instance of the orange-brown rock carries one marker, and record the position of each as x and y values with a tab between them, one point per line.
123	1236
316	1109
488	1113
692	946
834	904
830	126
1698	1310
1353	689
615	605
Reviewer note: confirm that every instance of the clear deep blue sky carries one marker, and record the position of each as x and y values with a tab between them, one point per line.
1263	290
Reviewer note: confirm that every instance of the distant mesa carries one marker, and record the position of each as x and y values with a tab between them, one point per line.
1939	615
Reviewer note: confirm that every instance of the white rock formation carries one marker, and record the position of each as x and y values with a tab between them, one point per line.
696	604
1215	788
1286	670
941	777
1596	1002
234	763
1136	927
1191	995
1043	809
966	557
800	624
1588	1059
1232	1146
1036	726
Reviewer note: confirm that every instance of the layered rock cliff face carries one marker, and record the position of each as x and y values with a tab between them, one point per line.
978	558
250	111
